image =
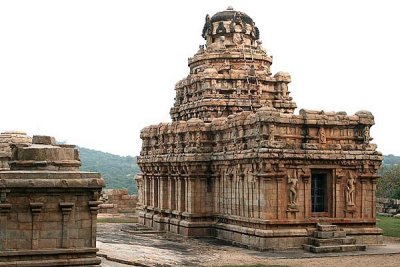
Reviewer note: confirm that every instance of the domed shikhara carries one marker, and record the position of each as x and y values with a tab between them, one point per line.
230	73
230	21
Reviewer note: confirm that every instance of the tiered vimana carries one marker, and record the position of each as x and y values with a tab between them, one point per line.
236	163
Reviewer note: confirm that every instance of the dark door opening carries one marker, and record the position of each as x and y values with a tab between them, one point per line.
319	192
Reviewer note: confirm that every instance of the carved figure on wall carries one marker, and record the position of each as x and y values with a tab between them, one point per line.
198	138
271	133
256	32
284	90
351	188
207	29
201	49
221	27
322	136
366	135
221	44
293	181
237	38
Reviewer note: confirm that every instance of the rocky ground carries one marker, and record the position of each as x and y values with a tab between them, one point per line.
126	245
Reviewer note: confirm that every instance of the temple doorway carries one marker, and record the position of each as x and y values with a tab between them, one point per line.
320	181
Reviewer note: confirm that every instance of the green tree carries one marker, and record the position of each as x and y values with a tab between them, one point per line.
389	183
117	171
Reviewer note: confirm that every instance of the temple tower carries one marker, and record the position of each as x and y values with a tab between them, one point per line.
238	164
230	73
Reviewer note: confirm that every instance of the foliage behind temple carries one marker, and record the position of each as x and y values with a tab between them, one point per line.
118	171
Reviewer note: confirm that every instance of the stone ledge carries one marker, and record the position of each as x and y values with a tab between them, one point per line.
47	252
48	174
58	262
363	231
53	183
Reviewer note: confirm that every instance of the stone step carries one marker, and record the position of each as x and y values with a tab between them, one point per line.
330	234
318	242
327	249
326	227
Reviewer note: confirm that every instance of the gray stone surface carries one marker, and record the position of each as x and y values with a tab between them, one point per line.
171	250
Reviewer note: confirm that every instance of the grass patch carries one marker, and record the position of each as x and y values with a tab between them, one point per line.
389	225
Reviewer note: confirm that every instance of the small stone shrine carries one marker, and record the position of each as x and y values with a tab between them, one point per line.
48	208
237	164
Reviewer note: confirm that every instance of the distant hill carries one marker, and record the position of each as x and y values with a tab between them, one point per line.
118	171
391	160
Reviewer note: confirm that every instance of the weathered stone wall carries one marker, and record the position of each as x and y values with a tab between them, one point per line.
118	201
239	167
48	208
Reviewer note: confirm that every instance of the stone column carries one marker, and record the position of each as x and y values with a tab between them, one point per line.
363	204
94	210
337	197
217	194
66	208
373	201
187	196
307	196
36	209
145	190
171	193
242	207
199	195
4	210
182	194
280	204
268	194
258	196
177	193
151	191
191	194
163	193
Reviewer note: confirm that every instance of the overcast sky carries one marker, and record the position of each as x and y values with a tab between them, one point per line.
94	73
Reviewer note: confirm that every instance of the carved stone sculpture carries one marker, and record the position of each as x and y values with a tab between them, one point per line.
271	133
366	136
350	189
292	182
322	136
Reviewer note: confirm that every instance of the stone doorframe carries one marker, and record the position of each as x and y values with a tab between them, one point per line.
328	192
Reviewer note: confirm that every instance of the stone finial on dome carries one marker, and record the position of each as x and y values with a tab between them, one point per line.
228	22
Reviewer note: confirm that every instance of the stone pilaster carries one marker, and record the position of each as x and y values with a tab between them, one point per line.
171	193
4	210
191	194
306	195
94	210
66	208
373	200
36	209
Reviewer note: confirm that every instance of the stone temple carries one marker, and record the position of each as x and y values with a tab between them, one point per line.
48	207
237	163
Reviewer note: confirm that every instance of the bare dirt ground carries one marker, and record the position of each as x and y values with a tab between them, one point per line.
124	245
